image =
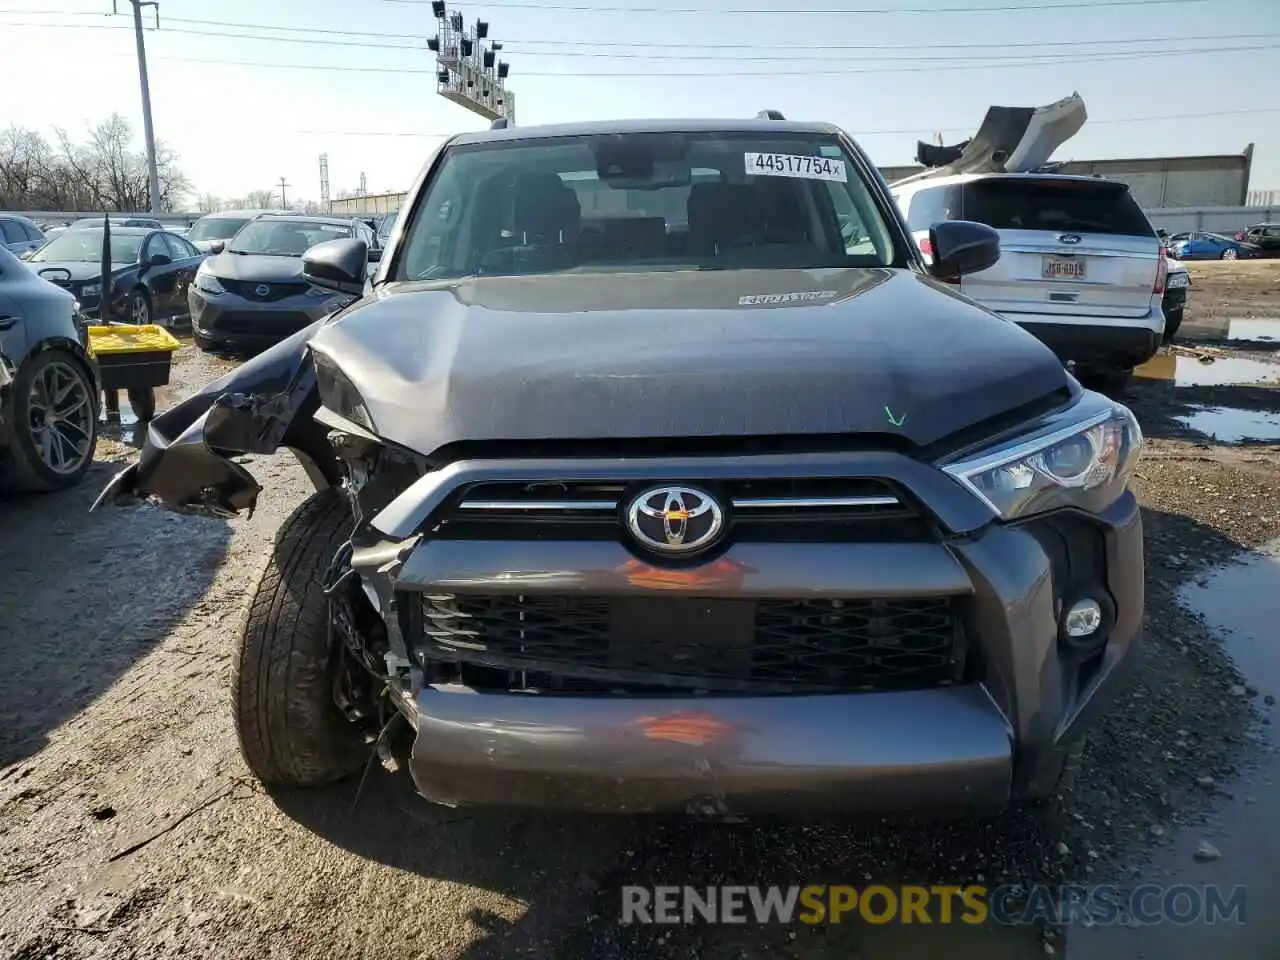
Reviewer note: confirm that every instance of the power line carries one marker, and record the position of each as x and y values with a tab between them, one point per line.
1029	61
633	44
698	56
743	58
835	11
855	132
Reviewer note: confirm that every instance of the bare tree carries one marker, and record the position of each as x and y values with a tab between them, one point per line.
260	200
208	203
104	172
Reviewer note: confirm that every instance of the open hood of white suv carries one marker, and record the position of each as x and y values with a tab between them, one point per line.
1010	140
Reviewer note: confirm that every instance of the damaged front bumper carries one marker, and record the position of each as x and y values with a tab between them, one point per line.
995	731
187	460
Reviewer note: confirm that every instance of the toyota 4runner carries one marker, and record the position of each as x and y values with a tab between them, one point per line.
656	471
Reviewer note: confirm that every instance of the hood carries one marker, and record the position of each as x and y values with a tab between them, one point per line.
683	354
58	270
255	269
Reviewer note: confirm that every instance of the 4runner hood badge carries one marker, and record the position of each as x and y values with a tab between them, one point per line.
675	519
1068	238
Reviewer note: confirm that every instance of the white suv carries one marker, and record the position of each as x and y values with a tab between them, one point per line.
1080	265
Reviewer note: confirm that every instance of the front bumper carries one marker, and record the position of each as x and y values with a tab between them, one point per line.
234	322
997	734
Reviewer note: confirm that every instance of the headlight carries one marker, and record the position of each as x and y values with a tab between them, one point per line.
1085	465
91	290
206	282
339	394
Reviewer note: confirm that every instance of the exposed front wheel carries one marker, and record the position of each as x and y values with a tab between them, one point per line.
55	423
290	729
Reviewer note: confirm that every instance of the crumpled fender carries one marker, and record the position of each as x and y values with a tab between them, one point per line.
269	402
1010	140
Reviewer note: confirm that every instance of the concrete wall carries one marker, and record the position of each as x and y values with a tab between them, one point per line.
1212	219
1157	182
369	204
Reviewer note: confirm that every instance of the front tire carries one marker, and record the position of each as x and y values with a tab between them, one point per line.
55	423
290	729
139	308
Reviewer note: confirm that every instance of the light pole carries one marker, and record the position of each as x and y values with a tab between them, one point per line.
284	203
153	173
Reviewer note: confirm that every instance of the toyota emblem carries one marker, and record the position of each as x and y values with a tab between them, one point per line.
1069	238
675	520
262	289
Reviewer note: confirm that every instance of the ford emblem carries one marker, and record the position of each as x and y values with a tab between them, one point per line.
1068	238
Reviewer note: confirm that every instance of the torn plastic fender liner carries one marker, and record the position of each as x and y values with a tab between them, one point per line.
267	403
1010	140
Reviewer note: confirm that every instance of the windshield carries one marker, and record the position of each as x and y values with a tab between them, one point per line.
216	228
640	201
285	238
85	246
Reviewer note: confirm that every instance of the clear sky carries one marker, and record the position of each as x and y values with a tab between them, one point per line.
889	78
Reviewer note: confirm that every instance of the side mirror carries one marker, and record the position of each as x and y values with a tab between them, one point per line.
337	265
217	246
961	247
159	260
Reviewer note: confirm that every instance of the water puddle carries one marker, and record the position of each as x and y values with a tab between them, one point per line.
1241	604
1188	371
1229	425
125	424
1254	329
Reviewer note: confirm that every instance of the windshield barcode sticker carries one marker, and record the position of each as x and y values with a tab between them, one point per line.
788	165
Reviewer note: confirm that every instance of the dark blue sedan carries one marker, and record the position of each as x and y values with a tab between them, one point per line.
1211	246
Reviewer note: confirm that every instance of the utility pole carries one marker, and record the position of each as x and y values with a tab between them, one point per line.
284	203
153	173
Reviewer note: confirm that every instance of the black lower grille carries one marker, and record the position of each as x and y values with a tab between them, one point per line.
263	322
777	646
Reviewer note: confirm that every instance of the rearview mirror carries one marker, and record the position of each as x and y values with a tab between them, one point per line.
962	247
217	246
338	265
159	260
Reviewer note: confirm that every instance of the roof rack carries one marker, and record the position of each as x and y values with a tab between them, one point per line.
500	124
770	115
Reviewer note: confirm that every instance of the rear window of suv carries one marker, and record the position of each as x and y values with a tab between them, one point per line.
1081	206
1008	203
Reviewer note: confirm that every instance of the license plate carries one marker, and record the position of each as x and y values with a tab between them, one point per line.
1063	268
1178	281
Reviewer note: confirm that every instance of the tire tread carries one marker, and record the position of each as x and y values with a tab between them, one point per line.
291	732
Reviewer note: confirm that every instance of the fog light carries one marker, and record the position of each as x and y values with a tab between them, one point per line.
1083	619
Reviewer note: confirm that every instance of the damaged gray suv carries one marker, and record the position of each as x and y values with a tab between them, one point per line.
657	472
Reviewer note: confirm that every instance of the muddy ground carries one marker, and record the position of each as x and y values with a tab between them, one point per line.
130	828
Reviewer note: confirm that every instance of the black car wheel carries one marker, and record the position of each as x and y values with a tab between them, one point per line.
1229	254
55	421
290	728
139	307
1172	321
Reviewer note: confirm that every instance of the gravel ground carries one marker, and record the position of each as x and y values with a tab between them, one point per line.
130	828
